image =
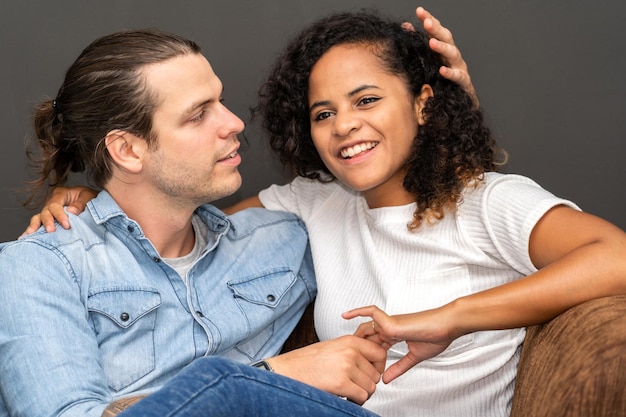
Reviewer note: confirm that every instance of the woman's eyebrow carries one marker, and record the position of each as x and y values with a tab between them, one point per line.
352	93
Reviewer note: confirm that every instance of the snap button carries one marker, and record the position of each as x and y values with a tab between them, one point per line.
271	298
199	313
156	259
130	229
124	317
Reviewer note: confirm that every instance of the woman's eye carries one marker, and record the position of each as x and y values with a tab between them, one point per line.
323	115
369	100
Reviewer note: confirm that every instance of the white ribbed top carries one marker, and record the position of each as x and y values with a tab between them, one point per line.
368	256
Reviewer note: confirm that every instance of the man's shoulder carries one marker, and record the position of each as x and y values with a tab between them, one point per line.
259	217
82	231
248	220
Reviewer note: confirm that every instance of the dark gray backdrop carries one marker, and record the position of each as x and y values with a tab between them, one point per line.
549	74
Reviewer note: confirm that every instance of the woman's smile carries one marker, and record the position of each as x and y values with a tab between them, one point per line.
364	120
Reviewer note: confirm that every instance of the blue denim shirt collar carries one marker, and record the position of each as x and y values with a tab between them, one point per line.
104	209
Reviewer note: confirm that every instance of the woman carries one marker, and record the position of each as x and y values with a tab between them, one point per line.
398	189
407	216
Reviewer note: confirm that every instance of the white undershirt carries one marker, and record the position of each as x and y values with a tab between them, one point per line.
184	263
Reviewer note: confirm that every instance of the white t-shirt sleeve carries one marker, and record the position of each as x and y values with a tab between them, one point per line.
299	197
502	213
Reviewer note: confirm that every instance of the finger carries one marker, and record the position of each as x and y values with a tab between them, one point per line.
423	14
362	380
367	330
369	373
381	340
433	26
375	356
462	78
449	52
74	209
400	367
54	211
47	220
77	206
455	75
368	311
388	345
375	337
362	383
81	201
380	368
357	394
35	223
408	26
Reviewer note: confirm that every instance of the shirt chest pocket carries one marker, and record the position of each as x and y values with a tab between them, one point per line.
124	321
263	299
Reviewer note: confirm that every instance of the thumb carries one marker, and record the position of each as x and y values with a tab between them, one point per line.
400	367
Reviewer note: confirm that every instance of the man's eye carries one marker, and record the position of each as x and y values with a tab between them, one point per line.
198	117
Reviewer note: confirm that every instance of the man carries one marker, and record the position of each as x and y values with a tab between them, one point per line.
148	279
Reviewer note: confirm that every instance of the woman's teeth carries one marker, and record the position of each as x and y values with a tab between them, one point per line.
357	149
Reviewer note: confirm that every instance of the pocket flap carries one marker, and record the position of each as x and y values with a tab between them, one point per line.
265	289
124	306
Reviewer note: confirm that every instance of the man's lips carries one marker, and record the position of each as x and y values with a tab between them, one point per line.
230	156
233	158
233	153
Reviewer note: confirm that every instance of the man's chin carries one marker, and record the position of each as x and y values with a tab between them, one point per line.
226	189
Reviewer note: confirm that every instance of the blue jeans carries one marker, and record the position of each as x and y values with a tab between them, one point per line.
214	386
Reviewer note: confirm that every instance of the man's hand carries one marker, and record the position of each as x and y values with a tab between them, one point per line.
75	198
442	42
348	366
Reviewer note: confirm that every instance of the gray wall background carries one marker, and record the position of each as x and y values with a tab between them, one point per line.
549	74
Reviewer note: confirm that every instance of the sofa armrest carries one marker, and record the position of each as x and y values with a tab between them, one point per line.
575	365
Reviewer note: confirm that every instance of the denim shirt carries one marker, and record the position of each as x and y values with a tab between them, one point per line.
92	314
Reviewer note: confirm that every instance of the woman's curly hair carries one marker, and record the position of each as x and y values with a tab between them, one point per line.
453	149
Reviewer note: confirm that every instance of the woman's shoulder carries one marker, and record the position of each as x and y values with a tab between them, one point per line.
500	183
304	195
503	199
491	178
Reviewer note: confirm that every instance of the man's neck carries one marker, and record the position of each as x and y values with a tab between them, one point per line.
168	226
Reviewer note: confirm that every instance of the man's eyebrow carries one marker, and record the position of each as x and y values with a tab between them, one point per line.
350	94
194	106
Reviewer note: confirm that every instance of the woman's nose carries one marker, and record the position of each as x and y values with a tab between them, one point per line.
344	123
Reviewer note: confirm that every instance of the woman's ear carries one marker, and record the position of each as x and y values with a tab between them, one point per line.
126	150
420	103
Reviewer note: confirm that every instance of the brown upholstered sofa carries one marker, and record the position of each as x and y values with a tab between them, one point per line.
572	366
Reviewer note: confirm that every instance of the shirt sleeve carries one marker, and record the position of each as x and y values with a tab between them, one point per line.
301	196
49	358
501	214
280	197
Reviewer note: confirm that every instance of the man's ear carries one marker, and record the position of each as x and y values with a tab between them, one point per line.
126	150
420	102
